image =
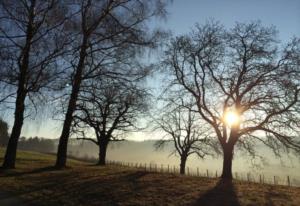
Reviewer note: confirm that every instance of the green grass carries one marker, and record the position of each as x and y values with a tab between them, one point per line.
37	183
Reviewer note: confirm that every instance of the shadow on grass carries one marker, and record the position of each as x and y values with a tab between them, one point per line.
222	194
12	172
75	187
9	199
272	197
86	190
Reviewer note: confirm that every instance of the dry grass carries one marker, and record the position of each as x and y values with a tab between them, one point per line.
82	184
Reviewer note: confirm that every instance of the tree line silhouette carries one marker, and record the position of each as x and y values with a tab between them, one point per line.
4	136
38	144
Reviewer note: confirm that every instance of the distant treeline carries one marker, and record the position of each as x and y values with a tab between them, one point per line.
4	136
38	144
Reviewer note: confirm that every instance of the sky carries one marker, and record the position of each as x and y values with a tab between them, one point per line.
184	14
284	14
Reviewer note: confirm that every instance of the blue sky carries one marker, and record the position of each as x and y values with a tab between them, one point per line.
284	14
183	14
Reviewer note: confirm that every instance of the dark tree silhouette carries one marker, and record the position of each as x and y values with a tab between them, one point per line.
3	133
109	109
104	32
183	128
243	71
31	39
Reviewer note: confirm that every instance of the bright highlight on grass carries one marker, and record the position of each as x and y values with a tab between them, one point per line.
231	118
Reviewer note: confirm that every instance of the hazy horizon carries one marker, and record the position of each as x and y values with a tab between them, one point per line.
145	152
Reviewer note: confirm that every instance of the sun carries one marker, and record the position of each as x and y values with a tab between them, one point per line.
231	118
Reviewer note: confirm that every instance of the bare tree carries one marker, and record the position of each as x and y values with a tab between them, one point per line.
104	32
245	86
110	109
31	40
182	127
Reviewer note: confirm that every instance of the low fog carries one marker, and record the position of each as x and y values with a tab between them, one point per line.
144	152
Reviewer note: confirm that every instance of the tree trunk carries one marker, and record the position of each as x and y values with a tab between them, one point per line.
227	161
182	164
11	150
61	156
102	153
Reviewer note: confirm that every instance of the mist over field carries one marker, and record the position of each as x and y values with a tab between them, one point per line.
144	152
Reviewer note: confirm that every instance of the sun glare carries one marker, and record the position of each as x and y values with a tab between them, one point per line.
231	118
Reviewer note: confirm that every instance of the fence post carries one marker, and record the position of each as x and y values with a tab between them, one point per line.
274	180
168	169
207	173
248	177
216	174
174	169
188	171
198	171
260	179
162	168
155	167
288	180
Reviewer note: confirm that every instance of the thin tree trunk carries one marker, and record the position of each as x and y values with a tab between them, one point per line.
227	161
102	154
11	150
61	156
182	164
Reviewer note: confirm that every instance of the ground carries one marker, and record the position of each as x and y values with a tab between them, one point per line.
35	182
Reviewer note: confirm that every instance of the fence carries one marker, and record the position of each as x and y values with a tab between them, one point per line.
197	172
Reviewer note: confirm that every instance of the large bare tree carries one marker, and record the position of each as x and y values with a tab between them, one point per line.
104	32
31	40
246	86
106	111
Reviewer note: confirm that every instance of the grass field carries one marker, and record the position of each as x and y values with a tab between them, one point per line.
37	183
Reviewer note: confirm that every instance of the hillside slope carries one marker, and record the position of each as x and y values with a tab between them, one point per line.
37	183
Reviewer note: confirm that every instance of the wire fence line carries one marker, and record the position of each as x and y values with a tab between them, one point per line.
197	172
